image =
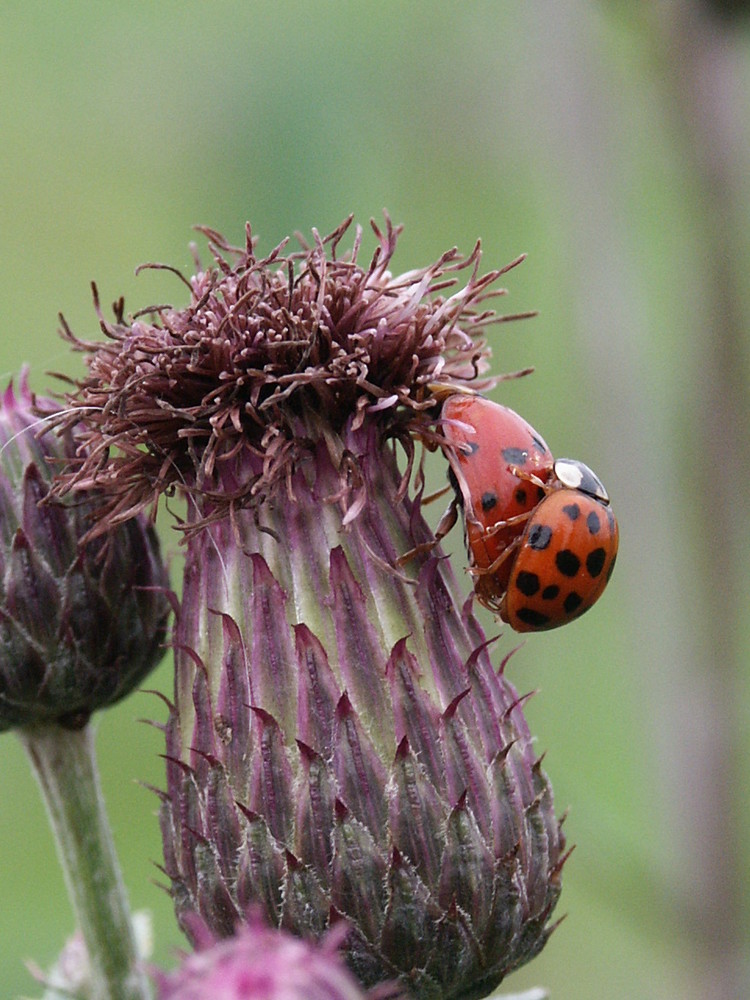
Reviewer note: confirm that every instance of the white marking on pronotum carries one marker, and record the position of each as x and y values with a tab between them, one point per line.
574	475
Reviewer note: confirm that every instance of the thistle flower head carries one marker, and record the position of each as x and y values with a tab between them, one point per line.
264	346
80	624
340	748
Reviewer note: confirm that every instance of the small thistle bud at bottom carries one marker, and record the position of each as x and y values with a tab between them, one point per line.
261	963
80	624
340	748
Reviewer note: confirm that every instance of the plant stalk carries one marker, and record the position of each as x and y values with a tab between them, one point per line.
64	763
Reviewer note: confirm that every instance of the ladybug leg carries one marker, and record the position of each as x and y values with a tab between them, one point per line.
495	566
508	523
529	477
445	524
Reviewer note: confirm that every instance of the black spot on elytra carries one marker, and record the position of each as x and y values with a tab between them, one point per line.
592	522
515	456
539	536
572	510
489	500
551	592
520	496
530	616
540	494
527	583
595	561
572	602
567	562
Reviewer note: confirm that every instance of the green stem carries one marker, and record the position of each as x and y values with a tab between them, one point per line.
64	762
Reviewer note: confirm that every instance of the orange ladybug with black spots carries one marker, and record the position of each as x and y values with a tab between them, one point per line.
565	556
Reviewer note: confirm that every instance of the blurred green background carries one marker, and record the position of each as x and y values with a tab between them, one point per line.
610	141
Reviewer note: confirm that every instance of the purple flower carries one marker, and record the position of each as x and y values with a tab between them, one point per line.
341	747
261	963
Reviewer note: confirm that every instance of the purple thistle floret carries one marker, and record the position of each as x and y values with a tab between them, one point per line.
261	963
340	748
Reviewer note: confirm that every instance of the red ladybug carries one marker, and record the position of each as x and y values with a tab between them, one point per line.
491	449
515	496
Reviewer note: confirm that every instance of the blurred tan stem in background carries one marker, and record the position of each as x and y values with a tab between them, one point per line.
693	489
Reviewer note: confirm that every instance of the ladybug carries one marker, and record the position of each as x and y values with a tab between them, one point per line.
498	467
566	553
508	486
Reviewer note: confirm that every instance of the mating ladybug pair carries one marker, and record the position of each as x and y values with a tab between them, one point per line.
540	534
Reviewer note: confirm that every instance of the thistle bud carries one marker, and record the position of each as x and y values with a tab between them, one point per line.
261	963
80	624
340	748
